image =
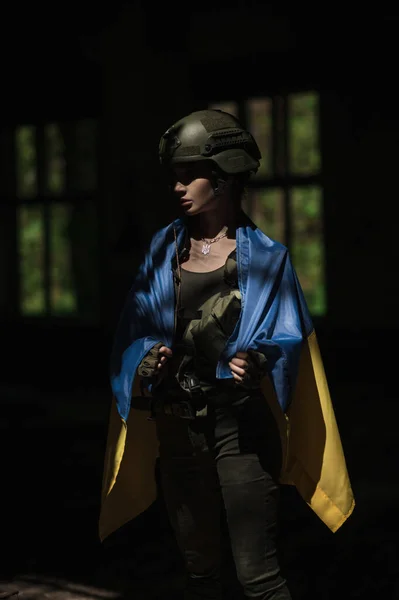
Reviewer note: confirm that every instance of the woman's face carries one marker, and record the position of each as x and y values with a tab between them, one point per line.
192	184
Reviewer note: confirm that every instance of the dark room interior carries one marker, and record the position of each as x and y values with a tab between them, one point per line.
87	91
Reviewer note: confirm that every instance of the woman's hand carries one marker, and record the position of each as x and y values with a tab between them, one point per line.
154	362
248	368
164	354
239	365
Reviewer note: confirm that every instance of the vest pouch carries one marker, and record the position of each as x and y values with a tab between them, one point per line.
217	323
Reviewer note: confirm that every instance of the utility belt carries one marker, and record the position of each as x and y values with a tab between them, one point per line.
195	404
182	409
191	398
188	403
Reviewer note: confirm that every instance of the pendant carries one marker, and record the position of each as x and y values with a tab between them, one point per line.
206	248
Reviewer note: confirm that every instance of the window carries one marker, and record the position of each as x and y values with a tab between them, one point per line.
56	219
285	197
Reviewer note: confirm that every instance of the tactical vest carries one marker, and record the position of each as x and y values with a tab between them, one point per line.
206	332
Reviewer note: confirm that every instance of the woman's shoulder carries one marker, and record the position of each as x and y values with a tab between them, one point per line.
270	243
256	236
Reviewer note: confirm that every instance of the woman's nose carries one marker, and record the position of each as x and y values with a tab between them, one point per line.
179	187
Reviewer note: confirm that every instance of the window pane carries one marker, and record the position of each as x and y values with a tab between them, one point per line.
230	107
55	160
80	139
75	260
266	208
31	259
62	292
303	134
25	143
307	245
259	117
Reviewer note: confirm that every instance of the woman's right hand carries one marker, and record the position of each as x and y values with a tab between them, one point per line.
164	354
154	362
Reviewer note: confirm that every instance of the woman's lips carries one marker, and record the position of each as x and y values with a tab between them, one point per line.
185	202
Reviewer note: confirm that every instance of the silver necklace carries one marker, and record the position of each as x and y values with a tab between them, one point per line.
206	246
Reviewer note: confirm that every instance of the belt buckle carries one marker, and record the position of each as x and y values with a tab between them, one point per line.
184	410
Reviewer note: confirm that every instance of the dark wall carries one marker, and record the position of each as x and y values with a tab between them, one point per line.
138	68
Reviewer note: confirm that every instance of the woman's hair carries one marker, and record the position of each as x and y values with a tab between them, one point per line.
237	182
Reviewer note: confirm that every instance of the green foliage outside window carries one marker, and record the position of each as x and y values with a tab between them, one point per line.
68	165
303	134
26	161
31	259
307	247
291	145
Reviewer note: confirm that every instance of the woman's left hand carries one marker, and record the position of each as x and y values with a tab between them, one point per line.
239	365
248	368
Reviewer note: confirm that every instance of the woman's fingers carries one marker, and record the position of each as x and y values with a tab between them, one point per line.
164	354
237	378
237	369
241	363
162	362
166	351
239	366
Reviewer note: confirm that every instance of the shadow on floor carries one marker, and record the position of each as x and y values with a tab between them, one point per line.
52	452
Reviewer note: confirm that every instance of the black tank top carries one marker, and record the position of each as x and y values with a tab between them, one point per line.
196	288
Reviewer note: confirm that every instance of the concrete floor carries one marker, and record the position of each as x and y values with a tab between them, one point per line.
52	449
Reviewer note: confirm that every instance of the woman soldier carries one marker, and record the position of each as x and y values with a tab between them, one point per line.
216	332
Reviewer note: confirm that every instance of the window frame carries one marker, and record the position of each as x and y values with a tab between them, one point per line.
287	181
10	198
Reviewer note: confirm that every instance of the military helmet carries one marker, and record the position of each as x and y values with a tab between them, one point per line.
213	135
